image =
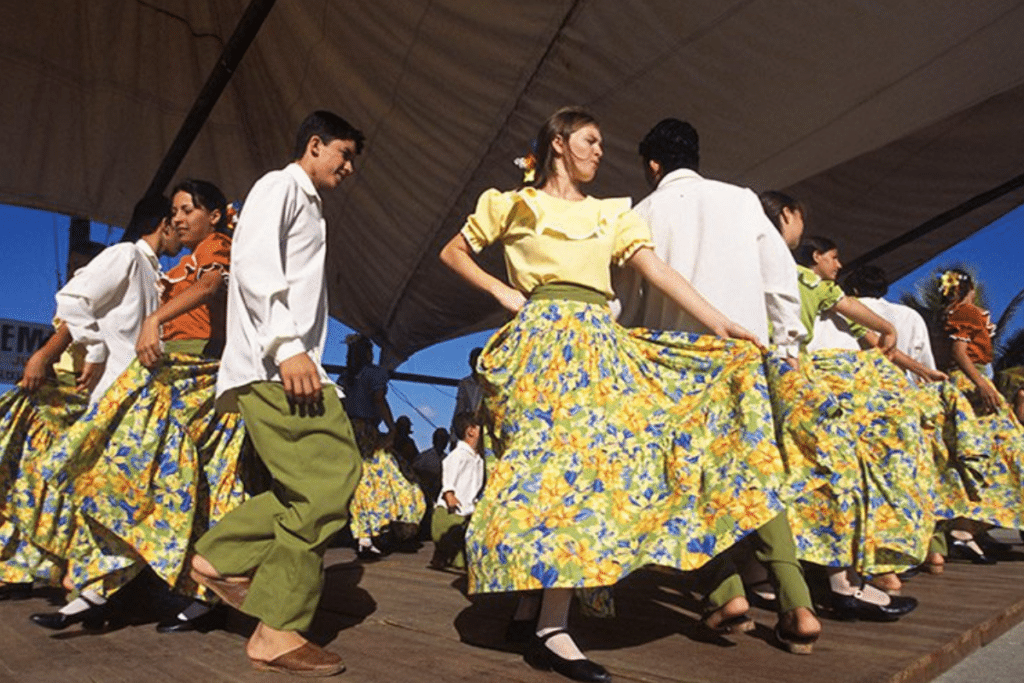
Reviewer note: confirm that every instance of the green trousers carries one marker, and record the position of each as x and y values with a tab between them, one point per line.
283	533
448	531
774	547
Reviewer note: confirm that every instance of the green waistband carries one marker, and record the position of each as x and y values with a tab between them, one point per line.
568	292
192	347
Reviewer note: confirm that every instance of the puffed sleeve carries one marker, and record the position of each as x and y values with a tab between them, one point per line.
213	253
631	233
824	294
489	222
965	323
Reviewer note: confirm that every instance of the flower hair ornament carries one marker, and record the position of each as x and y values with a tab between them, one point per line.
233	210
949	282
528	164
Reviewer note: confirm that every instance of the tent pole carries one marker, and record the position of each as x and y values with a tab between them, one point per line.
937	222
245	32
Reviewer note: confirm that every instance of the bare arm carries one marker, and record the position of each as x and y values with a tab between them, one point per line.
204	290
990	398
383	409
676	287
38	365
907	363
458	256
859	313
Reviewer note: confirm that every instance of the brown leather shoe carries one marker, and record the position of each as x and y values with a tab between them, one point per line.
307	660
231	589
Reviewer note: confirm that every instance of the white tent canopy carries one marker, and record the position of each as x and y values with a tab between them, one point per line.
879	115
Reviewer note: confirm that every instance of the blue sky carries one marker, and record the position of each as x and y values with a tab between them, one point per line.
36	245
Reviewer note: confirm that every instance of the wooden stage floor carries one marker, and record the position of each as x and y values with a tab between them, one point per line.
396	621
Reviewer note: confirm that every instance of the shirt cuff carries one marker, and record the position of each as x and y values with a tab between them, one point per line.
287	349
789	349
96	352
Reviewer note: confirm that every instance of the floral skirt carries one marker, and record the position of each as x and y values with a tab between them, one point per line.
876	512
30	425
617	449
980	459
384	496
145	473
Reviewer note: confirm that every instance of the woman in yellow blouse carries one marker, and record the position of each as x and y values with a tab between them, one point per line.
619	448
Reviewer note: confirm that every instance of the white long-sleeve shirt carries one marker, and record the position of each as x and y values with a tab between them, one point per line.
104	305
277	294
717	236
462	472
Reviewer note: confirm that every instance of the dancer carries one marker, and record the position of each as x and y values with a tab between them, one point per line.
708	231
106	299
152	467
266	557
613	442
875	516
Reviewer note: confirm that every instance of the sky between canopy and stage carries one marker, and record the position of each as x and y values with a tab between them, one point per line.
36	243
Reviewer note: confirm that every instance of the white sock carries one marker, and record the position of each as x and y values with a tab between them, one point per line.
89	598
844	581
554	615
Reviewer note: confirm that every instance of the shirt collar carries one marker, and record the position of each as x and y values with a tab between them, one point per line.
304	181
147	251
678	174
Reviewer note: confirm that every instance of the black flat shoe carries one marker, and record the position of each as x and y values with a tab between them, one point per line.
991	546
963	550
204	623
92	618
539	656
851	608
16	591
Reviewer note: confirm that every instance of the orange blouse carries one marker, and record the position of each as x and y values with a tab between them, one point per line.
967	323
206	321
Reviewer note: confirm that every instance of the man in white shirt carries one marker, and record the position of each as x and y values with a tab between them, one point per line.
104	304
266	556
869	284
717	236
462	480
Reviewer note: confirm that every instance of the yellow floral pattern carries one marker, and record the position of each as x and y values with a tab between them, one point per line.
876	511
620	448
383	496
145	473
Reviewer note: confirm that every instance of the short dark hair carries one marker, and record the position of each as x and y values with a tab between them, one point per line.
673	144
463	421
327	126
207	196
773	202
474	356
866	280
804	253
147	216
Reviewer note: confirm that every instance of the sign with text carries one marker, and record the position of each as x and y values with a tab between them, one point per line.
18	341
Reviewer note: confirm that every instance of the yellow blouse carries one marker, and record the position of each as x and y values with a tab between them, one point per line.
548	239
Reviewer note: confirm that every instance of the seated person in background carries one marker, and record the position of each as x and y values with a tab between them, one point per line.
462	480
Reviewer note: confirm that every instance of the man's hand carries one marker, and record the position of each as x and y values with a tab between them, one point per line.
148	346
90	376
301	380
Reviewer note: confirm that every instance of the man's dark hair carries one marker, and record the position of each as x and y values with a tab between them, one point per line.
463	421
866	281
439	439
673	144
146	217
327	126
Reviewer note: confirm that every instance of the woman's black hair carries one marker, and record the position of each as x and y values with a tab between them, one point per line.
773	202
954	283
207	196
804	253
358	356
